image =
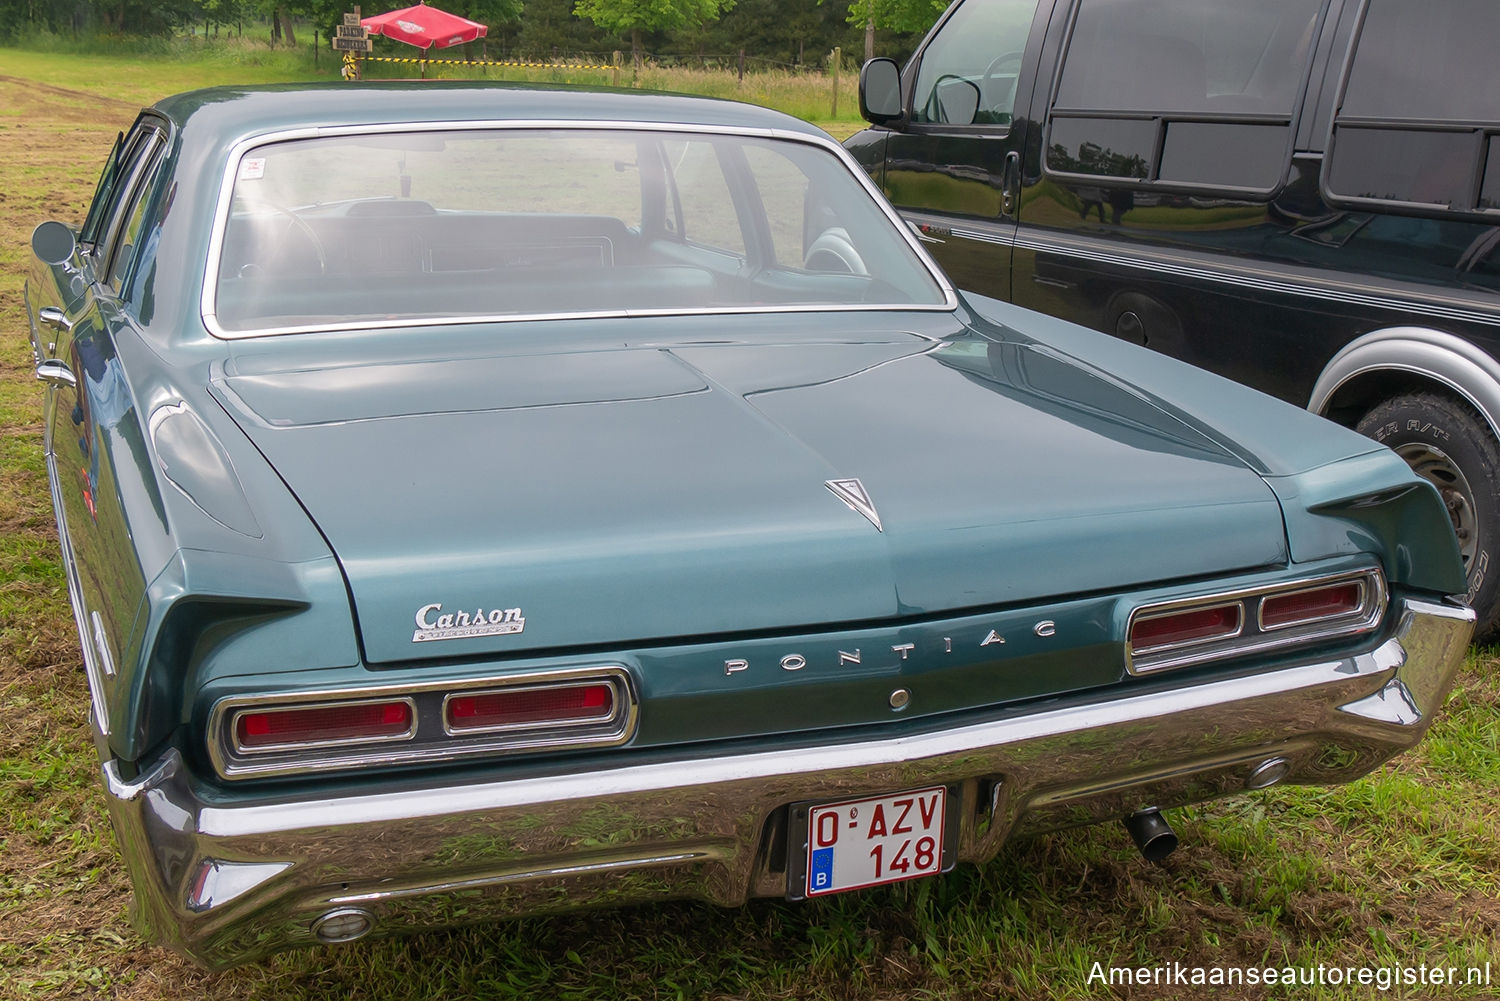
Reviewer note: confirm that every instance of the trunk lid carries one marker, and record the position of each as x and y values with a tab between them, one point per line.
495	505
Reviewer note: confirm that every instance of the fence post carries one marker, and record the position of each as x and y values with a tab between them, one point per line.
742	67
614	71
838	60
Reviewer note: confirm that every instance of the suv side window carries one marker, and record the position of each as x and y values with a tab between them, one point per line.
975	58
1213	85
1419	124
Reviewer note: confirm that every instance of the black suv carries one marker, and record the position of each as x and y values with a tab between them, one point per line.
1302	195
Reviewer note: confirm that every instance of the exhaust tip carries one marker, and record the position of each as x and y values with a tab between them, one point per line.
343	925
1268	773
1151	834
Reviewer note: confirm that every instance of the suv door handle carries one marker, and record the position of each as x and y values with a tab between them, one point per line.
1010	183
56	373
54	318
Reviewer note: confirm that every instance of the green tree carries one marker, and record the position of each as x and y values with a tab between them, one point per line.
636	16
905	16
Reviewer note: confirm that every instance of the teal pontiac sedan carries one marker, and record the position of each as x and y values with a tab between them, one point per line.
481	501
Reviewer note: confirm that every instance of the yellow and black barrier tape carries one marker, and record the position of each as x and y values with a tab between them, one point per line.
492	62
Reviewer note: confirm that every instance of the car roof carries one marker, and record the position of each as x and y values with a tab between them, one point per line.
228	114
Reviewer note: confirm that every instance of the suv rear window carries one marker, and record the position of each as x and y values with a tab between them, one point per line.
1420	113
1212	84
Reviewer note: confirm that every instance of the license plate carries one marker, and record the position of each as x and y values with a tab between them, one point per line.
870	842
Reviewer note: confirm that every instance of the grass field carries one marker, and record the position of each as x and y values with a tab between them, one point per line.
1399	869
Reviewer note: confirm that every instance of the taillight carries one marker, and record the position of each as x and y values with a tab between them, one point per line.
1312	605
1185	632
1196	625
327	724
426	721
528	707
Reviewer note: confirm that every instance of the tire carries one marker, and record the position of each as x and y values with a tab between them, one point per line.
1450	446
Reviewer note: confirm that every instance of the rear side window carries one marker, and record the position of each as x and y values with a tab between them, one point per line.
1182	93
1418	126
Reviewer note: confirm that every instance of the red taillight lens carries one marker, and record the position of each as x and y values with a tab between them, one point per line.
319	724
531	707
1279	611
1192	626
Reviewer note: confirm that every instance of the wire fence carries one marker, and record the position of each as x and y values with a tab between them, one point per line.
741	62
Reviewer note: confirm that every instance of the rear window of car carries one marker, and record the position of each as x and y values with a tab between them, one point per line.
393	228
1420	116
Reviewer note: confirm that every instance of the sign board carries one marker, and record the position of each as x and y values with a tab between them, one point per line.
351	31
352	20
353	45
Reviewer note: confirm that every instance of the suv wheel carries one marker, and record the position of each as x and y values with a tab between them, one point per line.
1448	445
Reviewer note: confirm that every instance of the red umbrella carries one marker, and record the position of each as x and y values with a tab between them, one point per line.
424	27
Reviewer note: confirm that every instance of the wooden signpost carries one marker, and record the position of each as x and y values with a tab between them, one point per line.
353	40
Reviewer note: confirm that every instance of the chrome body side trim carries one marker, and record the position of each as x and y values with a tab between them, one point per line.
1290	280
231	171
1445	358
32	333
422	852
93	673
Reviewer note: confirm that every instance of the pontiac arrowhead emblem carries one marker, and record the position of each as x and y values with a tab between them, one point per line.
852	492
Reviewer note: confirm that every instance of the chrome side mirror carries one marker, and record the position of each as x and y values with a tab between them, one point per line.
53	243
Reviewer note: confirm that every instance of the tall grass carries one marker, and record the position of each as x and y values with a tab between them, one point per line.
196	61
805	95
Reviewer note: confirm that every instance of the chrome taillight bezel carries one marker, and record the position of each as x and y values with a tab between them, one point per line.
1253	636
430	740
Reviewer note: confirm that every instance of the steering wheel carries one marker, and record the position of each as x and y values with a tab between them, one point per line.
833	252
991	72
297	224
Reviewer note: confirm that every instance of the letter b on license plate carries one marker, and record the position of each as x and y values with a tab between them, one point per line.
869	842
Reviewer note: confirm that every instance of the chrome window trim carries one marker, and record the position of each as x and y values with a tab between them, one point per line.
242	750
619	728
616	708
207	298
1374	593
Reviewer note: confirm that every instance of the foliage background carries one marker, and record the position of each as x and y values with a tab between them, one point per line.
789	32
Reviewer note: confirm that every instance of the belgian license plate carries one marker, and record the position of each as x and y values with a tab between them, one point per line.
870	842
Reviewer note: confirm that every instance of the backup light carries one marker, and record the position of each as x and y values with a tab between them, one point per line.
529	707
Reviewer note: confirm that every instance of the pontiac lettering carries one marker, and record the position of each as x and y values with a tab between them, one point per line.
435	624
903	651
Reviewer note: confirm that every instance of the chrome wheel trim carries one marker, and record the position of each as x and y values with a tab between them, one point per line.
1434	465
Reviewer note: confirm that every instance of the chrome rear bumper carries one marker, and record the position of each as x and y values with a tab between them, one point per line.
226	884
